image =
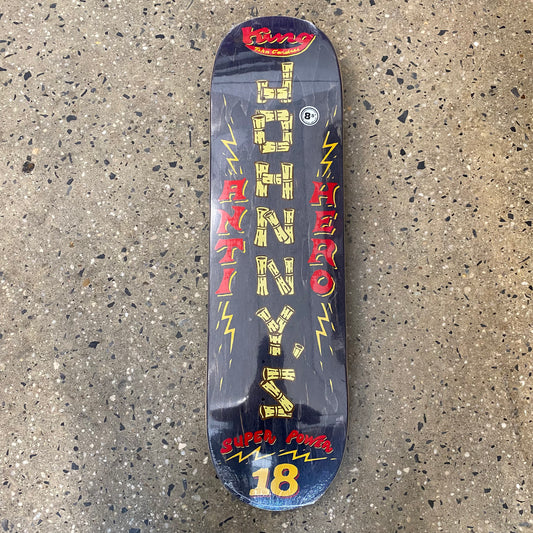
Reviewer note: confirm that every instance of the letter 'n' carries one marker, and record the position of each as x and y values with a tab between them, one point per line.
267	216
285	283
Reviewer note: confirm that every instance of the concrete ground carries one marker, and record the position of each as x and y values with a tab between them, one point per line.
104	203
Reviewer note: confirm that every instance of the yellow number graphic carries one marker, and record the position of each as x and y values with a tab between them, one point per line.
262	477
284	483
285	474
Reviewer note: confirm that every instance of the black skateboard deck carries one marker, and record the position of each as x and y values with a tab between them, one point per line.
276	396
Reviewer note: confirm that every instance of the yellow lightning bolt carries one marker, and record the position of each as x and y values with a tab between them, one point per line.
227	144
322	331
305	456
254	452
325	160
331	312
227	329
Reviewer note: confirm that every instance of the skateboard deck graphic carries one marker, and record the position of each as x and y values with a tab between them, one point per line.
276	398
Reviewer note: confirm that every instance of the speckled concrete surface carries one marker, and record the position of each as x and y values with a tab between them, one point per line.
104	252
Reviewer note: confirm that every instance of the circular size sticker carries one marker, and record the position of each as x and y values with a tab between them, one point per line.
309	115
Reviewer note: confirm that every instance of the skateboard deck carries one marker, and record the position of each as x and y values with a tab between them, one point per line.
276	396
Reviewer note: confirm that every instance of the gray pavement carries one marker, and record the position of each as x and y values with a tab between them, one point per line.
104	203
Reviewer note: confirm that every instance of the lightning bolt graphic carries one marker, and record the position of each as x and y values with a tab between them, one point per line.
255	452
325	160
331	311
227	329
227	144
305	456
322	331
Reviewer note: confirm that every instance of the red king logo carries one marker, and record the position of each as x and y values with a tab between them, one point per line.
296	43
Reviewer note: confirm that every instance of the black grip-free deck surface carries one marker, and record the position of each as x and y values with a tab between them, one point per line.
276	401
